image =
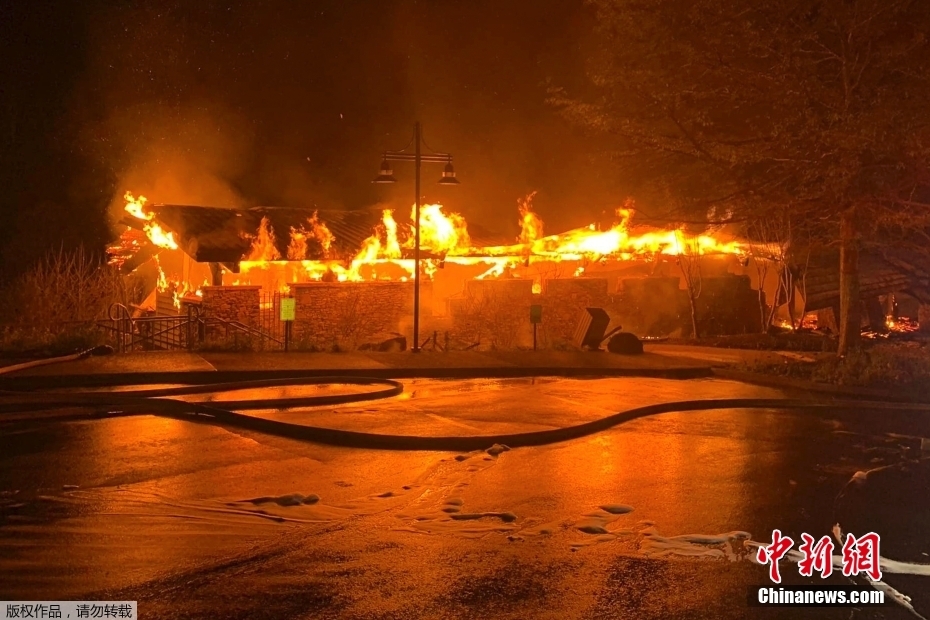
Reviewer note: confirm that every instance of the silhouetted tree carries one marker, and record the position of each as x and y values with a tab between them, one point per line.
814	106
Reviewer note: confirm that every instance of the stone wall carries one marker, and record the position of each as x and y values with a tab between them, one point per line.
726	306
653	306
348	314
233	303
563	303
494	313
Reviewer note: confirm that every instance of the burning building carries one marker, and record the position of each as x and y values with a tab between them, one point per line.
352	274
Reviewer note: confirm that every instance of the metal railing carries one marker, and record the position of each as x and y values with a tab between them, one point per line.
152	332
185	331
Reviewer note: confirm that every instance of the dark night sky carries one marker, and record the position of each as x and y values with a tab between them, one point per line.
286	103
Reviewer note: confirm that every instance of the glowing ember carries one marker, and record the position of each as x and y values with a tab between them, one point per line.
902	324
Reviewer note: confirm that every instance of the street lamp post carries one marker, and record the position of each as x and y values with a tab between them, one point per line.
387	176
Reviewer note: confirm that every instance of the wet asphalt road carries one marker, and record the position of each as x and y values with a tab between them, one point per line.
197	521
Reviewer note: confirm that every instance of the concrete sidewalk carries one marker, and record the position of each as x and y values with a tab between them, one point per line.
183	367
722	357
394	365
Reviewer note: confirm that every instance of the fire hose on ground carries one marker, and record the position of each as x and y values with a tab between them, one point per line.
73	357
159	401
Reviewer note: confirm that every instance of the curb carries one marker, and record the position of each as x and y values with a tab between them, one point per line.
776	381
200	377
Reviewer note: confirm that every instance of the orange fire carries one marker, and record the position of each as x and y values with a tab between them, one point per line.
444	239
387	253
441	233
162	282
617	242
531	226
156	234
263	244
317	230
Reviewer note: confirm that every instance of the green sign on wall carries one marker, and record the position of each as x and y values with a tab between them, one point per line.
536	314
288	308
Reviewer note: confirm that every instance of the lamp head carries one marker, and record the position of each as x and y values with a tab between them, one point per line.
448	176
386	175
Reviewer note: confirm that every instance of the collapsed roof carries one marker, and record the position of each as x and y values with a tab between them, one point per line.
224	235
879	274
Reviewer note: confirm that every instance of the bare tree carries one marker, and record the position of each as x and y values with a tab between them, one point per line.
63	295
770	236
762	269
802	264
689	261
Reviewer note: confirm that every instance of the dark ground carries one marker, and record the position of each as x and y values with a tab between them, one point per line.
166	512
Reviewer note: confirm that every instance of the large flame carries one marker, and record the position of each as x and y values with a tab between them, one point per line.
440	232
297	248
531	226
264	246
156	234
387	254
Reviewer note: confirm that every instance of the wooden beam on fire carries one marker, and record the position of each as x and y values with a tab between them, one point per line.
144	254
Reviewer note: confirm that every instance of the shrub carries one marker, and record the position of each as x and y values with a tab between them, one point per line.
63	293
882	366
39	343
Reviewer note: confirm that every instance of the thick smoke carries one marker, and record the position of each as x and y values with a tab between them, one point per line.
267	103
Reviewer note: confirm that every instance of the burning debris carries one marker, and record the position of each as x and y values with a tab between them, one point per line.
444	239
310	254
136	208
895	328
